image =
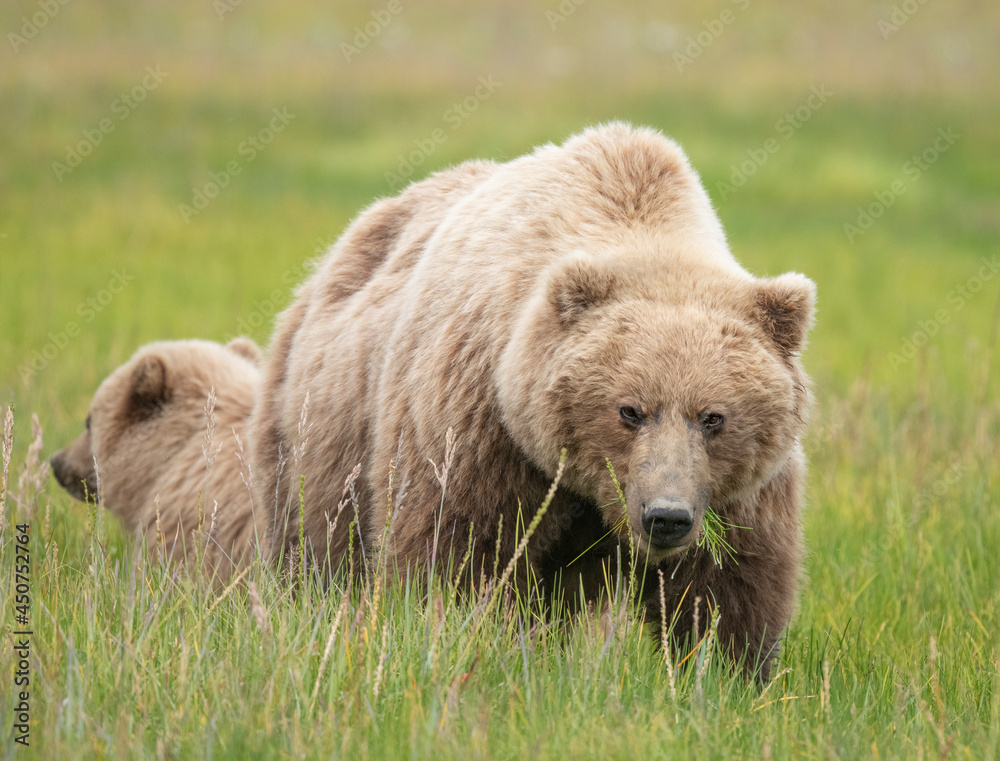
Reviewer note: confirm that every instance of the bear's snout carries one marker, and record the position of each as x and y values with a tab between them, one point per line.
667	487
58	464
667	522
70	479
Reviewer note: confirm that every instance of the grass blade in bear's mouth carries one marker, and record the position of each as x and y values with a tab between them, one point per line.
713	536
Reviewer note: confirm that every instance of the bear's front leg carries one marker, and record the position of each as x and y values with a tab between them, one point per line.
754	594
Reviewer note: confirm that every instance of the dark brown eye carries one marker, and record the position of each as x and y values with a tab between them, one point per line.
88	422
712	421
630	416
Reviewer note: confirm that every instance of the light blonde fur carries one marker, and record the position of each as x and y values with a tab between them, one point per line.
172	482
525	305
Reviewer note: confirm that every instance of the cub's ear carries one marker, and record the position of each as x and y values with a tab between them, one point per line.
246	348
784	307
576	285
150	388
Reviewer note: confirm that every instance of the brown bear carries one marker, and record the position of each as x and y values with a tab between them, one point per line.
582	296
166	458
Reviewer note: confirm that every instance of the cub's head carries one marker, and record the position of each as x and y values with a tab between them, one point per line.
693	392
146	411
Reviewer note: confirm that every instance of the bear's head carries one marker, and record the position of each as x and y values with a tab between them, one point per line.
690	386
146	411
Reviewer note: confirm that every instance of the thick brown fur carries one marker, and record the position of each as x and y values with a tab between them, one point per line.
147	431
529	305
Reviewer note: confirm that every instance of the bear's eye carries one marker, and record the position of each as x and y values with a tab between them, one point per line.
630	416
88	423
712	421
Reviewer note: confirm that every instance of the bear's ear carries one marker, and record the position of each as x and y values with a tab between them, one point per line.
246	348
149	386
576	285
784	306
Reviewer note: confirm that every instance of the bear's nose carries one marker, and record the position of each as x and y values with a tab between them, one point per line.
667	521
56	463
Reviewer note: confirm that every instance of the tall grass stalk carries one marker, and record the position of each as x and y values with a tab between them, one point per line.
8	446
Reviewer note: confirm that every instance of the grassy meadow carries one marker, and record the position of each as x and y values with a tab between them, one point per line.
167	170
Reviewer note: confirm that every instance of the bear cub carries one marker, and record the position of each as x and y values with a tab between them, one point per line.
154	457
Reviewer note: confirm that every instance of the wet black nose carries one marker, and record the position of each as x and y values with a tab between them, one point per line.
667	522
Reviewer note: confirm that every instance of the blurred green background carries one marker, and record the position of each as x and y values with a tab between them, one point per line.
717	77
115	116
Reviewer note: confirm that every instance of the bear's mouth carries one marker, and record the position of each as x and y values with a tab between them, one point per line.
81	486
653	553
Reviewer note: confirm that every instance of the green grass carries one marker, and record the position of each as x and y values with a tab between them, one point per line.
895	651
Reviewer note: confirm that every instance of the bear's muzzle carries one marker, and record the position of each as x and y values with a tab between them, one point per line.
80	486
667	522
